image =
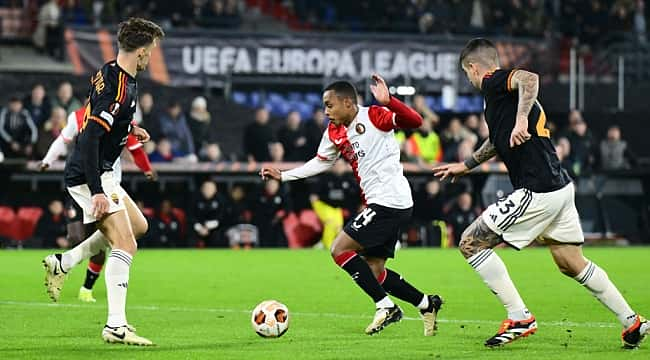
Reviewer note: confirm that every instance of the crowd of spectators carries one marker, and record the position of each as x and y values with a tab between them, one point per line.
253	215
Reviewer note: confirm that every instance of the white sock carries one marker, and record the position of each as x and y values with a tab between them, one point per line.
495	275
596	280
117	283
424	303
84	250
384	303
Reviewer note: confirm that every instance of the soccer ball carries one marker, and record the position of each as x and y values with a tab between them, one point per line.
270	319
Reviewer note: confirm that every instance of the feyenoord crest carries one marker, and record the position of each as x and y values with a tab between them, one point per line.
115	199
360	129
114	108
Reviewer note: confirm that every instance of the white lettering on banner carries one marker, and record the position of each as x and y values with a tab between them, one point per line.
342	63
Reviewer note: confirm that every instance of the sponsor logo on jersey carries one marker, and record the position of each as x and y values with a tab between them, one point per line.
106	116
360	129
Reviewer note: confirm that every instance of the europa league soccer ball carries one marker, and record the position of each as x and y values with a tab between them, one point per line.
270	319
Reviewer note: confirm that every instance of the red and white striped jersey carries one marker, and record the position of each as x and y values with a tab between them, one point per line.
368	144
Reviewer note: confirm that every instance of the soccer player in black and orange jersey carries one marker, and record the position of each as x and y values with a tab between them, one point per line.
90	180
540	208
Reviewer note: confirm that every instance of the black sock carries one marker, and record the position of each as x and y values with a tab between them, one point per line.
395	285
91	277
360	271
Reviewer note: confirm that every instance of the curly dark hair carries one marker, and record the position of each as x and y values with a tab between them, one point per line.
135	33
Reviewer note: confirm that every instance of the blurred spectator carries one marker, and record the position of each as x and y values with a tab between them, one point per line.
164	152
428	203
38	105
596	19
293	138
452	137
258	136
65	98
473	124
51	227
168	227
209	215
582	145
146	117
18	132
239	208
174	128
211	153
221	14
424	145
620	20
48	36
461	215
277	152
563	150
640	20
199	122
314	130
269	209
50	131
420	105
615	153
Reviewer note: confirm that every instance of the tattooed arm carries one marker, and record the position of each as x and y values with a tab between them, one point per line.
528	85
483	154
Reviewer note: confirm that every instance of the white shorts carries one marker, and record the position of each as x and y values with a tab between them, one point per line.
525	216
112	189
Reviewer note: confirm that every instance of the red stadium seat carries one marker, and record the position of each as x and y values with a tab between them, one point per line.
289	223
148	212
8	226
27	219
309	218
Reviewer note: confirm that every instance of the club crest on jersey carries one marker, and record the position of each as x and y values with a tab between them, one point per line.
115	199
114	108
360	129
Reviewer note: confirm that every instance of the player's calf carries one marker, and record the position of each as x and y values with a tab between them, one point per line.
476	238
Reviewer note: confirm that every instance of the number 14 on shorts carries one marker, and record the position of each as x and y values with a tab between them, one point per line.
364	218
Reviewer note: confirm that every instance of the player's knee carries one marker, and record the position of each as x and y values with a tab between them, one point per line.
139	228
467	246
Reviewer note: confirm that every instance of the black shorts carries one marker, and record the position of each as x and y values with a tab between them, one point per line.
376	228
73	212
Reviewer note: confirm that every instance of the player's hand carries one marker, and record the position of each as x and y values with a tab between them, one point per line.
519	133
380	90
270	173
100	206
43	166
151	175
141	134
453	170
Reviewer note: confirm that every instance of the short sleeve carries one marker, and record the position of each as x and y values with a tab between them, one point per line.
382	118
327	151
71	129
497	82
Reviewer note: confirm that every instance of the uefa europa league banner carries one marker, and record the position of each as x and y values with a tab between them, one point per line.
188	58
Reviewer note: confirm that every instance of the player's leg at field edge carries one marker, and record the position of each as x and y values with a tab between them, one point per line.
121	228
476	246
395	284
344	252
571	262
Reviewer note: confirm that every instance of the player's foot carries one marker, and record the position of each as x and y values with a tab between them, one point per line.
54	276
86	295
633	335
383	318
512	330
124	335
430	314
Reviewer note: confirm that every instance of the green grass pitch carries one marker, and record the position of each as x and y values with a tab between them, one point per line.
196	305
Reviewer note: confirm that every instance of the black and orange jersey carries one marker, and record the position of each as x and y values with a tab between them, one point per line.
105	128
534	165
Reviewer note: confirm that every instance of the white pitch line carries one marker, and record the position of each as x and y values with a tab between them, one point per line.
330	315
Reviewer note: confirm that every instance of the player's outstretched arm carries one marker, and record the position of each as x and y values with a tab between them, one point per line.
312	167
405	117
528	85
455	170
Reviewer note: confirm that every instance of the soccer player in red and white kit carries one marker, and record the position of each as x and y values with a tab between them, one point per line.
77	232
364	137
